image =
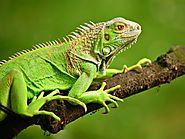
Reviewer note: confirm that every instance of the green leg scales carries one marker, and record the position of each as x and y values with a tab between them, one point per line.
14	96
13	88
111	72
79	89
138	65
38	102
101	96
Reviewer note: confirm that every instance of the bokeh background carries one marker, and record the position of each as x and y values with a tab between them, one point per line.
155	114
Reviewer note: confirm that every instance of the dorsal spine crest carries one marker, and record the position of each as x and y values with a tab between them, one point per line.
35	47
83	32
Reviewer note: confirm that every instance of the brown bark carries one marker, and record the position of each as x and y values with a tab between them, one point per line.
163	70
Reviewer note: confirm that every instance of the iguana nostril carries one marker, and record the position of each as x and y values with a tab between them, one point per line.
138	27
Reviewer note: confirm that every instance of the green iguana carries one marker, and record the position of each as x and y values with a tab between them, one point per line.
70	65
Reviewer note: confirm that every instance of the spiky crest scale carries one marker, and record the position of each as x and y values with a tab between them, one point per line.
81	31
35	47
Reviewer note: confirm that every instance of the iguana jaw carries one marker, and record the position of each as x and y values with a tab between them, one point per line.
130	41
108	59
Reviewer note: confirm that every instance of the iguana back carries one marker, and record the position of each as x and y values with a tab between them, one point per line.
43	69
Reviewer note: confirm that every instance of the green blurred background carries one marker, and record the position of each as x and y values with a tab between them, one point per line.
155	114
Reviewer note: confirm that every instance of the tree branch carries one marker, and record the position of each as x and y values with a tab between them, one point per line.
166	68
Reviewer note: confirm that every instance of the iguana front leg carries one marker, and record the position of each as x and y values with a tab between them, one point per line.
111	72
79	89
139	64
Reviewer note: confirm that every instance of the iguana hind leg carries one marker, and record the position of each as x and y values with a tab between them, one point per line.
14	96
38	102
13	88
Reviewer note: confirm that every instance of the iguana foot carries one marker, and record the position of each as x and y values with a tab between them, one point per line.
101	96
38	102
138	65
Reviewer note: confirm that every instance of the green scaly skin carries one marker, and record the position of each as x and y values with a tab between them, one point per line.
70	65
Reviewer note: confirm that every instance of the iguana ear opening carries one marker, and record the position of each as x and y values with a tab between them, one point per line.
100	47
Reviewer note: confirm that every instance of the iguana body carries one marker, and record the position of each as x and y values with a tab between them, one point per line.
70	65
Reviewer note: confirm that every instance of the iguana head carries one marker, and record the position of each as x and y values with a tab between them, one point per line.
116	36
99	43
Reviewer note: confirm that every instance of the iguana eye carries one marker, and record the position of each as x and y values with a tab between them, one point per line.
120	27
